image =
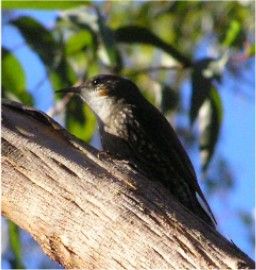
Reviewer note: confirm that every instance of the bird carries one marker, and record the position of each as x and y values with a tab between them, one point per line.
131	128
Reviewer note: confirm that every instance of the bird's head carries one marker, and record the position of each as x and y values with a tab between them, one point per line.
104	92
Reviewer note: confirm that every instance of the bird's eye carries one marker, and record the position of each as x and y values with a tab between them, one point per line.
96	81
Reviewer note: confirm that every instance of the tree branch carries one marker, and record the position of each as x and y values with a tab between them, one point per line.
93	213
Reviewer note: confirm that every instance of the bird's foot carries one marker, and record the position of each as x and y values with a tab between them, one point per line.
103	155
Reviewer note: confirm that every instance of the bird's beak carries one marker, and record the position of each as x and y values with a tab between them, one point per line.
72	89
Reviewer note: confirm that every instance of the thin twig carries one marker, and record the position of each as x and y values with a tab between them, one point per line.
59	105
154	69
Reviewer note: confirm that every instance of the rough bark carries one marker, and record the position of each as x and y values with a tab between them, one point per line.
89	211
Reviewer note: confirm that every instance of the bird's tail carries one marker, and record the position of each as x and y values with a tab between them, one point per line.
202	212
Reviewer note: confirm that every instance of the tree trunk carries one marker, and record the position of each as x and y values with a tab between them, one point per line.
89	211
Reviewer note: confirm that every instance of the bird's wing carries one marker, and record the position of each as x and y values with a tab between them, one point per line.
167	141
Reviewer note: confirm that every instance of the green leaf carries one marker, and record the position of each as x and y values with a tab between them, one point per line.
15	244
204	72
12	71
14	79
251	50
138	34
80	120
63	75
39	39
247	218
232	33
37	4
78	42
169	99
77	25
210	119
201	86
109	43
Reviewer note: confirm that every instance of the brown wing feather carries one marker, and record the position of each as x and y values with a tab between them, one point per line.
167	141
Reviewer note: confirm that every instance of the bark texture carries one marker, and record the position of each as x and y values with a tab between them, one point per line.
89	211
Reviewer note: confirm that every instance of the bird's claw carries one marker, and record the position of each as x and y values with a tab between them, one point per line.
103	155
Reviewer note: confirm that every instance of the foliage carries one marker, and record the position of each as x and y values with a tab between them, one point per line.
154	44
85	36
14	83
16	261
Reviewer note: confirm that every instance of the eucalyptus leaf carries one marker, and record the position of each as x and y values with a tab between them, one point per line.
210	120
63	75
37	4
14	78
201	86
138	34
79	26
232	33
235	35
15	243
169	99
251	50
39	39
79	120
109	43
204	72
78	42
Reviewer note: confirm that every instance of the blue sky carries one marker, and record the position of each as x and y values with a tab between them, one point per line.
237	134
